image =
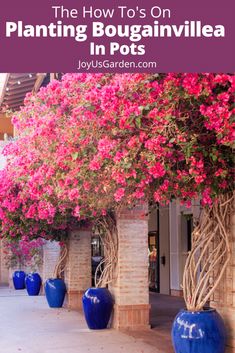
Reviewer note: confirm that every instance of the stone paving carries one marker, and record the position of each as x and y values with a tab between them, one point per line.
28	325
163	311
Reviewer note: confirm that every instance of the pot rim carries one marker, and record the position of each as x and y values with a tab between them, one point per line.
19	271
204	311
33	273
97	288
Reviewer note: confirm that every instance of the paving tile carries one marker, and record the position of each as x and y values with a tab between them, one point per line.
28	325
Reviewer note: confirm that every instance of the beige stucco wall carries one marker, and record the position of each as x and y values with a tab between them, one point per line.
4	272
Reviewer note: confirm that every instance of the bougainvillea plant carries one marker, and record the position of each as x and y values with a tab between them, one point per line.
95	142
23	253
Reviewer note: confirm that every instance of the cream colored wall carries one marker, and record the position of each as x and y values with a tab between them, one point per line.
178	240
175	246
4	272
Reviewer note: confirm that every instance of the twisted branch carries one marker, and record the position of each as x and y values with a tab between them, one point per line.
104	273
210	254
61	263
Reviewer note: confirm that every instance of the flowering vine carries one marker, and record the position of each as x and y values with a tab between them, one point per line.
93	142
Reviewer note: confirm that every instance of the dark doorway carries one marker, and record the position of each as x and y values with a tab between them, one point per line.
154	280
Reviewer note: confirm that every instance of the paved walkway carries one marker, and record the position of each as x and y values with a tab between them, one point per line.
27	325
163	311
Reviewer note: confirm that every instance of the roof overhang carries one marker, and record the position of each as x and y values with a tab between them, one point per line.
15	86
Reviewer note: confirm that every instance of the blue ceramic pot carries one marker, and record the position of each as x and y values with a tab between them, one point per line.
198	332
55	290
33	283
97	307
19	279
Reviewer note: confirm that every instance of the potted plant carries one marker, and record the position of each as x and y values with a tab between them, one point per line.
15	259
18	278
33	283
24	253
33	280
97	301
55	288
199	328
133	137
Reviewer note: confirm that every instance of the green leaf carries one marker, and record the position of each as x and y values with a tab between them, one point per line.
75	155
213	157
90	107
128	165
138	121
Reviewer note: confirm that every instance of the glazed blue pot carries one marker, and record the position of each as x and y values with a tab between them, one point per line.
198	332
55	290
19	279
33	283
97	307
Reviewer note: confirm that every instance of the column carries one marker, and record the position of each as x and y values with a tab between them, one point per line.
78	268
130	287
51	253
